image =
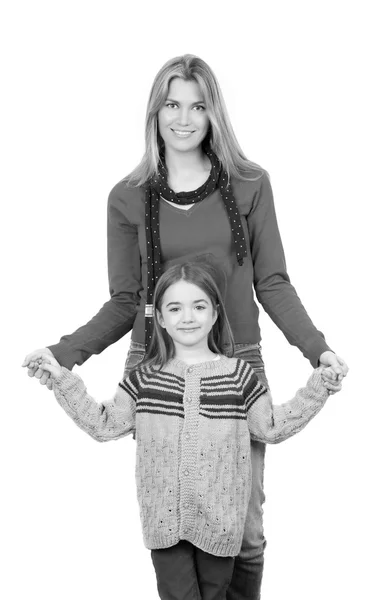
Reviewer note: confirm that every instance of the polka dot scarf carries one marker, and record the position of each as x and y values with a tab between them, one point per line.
158	186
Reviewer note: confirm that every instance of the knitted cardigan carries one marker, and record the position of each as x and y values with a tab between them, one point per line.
193	426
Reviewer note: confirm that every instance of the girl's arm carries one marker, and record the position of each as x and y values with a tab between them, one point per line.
103	421
271	423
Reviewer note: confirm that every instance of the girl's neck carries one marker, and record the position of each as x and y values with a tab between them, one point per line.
193	355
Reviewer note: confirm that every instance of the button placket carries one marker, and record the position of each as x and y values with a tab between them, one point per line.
188	447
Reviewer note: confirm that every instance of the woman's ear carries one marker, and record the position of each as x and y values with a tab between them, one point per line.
160	318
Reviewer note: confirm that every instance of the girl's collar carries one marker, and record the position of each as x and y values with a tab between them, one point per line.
208	364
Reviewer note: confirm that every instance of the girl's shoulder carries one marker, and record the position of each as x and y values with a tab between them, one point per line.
236	366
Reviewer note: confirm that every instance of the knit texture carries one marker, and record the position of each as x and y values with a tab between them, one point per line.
193	426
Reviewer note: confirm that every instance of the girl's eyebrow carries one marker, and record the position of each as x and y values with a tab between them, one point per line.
176	101
179	303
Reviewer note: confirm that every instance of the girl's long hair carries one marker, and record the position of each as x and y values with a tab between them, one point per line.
220	339
220	137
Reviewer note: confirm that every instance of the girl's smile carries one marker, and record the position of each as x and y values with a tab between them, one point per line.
187	314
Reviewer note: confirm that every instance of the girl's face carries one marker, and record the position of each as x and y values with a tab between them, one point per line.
187	314
182	121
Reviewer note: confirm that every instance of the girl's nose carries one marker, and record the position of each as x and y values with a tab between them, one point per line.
187	316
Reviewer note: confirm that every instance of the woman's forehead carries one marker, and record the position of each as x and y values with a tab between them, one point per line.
180	89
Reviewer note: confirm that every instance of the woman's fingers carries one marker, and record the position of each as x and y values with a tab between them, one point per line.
35	355
343	365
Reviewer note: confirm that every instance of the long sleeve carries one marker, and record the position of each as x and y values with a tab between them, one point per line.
271	423
117	316
102	421
271	280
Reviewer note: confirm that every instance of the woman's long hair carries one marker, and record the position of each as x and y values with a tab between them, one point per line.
220	137
220	339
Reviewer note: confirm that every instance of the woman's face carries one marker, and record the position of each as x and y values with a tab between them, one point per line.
182	121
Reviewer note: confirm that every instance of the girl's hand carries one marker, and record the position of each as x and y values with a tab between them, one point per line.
329	381
35	370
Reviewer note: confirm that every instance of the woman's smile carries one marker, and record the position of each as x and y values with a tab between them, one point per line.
181	134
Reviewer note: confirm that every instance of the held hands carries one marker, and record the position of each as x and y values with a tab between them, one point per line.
335	369
42	365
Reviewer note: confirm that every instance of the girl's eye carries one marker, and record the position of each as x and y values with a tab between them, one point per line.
200	307
174	309
170	105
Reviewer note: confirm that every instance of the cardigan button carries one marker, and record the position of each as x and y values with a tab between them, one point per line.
188	436
189	399
190	370
186	472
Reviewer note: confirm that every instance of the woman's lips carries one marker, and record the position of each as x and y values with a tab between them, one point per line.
182	134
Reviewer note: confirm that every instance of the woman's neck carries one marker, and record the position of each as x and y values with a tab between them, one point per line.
187	170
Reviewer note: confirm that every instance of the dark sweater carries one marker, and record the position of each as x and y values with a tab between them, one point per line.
201	231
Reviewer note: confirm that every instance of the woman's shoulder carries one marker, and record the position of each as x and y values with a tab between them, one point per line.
251	178
126	198
124	190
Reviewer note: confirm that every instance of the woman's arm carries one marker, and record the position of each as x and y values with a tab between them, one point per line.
117	316
271	280
271	423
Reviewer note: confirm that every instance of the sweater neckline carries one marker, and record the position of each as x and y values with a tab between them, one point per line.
209	364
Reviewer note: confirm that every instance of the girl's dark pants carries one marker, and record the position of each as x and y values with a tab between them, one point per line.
184	572
246	577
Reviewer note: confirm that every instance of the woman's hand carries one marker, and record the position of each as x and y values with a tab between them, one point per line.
335	370
35	370
46	363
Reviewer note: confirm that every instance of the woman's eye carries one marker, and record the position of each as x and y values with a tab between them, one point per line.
170	105
199	108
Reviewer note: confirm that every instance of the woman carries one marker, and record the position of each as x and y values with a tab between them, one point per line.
196	196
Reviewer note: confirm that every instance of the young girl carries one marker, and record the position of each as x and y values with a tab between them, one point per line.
193	411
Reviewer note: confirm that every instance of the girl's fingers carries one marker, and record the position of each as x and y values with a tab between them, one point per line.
333	388
51	370
44	378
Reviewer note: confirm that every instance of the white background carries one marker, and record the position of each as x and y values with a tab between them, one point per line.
303	85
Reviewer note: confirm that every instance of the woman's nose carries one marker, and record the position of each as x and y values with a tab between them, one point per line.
184	118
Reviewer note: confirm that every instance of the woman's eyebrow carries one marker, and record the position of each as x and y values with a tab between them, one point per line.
177	102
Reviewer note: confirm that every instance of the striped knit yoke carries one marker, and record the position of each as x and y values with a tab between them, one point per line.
193	426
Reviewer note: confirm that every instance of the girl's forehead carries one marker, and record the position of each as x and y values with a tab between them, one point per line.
182	291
